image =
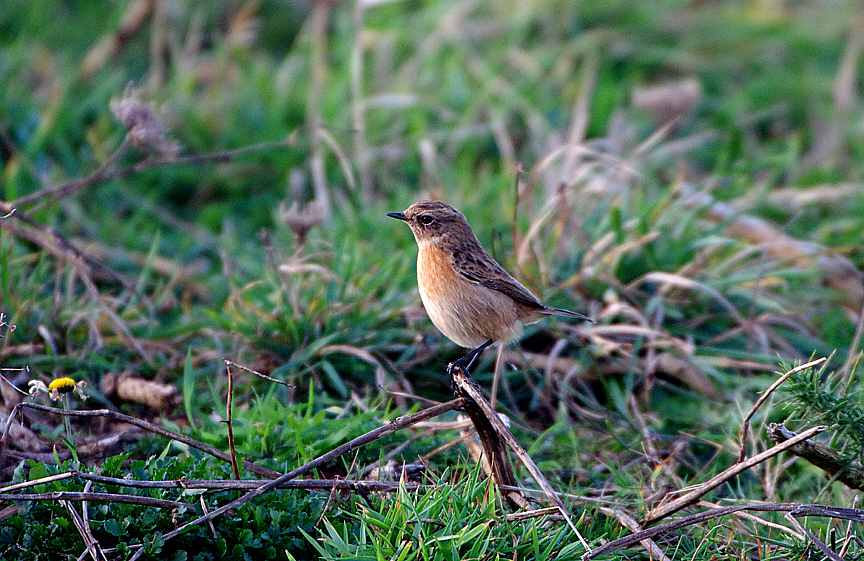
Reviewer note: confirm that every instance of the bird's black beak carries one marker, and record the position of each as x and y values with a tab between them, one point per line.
398	216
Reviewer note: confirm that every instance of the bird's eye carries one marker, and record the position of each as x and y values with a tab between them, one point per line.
426	220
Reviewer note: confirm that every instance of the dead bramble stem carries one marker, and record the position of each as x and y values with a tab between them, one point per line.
229	416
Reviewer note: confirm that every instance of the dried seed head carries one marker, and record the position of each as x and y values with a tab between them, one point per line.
146	128
667	101
301	219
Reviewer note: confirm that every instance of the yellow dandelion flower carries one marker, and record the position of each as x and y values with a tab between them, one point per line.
62	385
58	387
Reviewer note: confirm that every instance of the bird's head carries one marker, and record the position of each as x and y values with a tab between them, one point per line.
434	222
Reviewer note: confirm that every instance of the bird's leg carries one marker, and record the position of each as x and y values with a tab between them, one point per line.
467	361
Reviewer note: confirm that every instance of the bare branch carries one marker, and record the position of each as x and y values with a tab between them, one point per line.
96	498
694	495
472	392
824	457
114	415
795	509
745	429
395	425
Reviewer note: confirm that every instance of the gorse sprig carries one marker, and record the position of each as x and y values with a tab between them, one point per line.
817	397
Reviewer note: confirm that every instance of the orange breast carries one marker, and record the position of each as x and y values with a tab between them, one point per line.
465	312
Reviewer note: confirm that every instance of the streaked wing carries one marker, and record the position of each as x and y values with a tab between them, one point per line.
514	290
486	272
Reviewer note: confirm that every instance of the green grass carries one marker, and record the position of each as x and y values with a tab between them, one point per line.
453	96
440	523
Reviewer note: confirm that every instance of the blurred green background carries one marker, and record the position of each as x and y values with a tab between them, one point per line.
686	172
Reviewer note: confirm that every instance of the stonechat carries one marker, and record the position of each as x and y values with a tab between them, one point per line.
469	297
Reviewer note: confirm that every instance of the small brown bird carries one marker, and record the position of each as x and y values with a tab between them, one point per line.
468	296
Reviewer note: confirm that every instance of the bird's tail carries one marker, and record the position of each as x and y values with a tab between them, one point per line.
566	313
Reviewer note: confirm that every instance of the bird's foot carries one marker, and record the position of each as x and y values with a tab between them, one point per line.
465	363
452	368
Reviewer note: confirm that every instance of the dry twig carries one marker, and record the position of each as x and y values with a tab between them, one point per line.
699	490
83	527
653	549
824	457
96	498
114	415
256	373
757	520
824	548
230	421
393	426
489	419
745	428
105	173
796	509
218	484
